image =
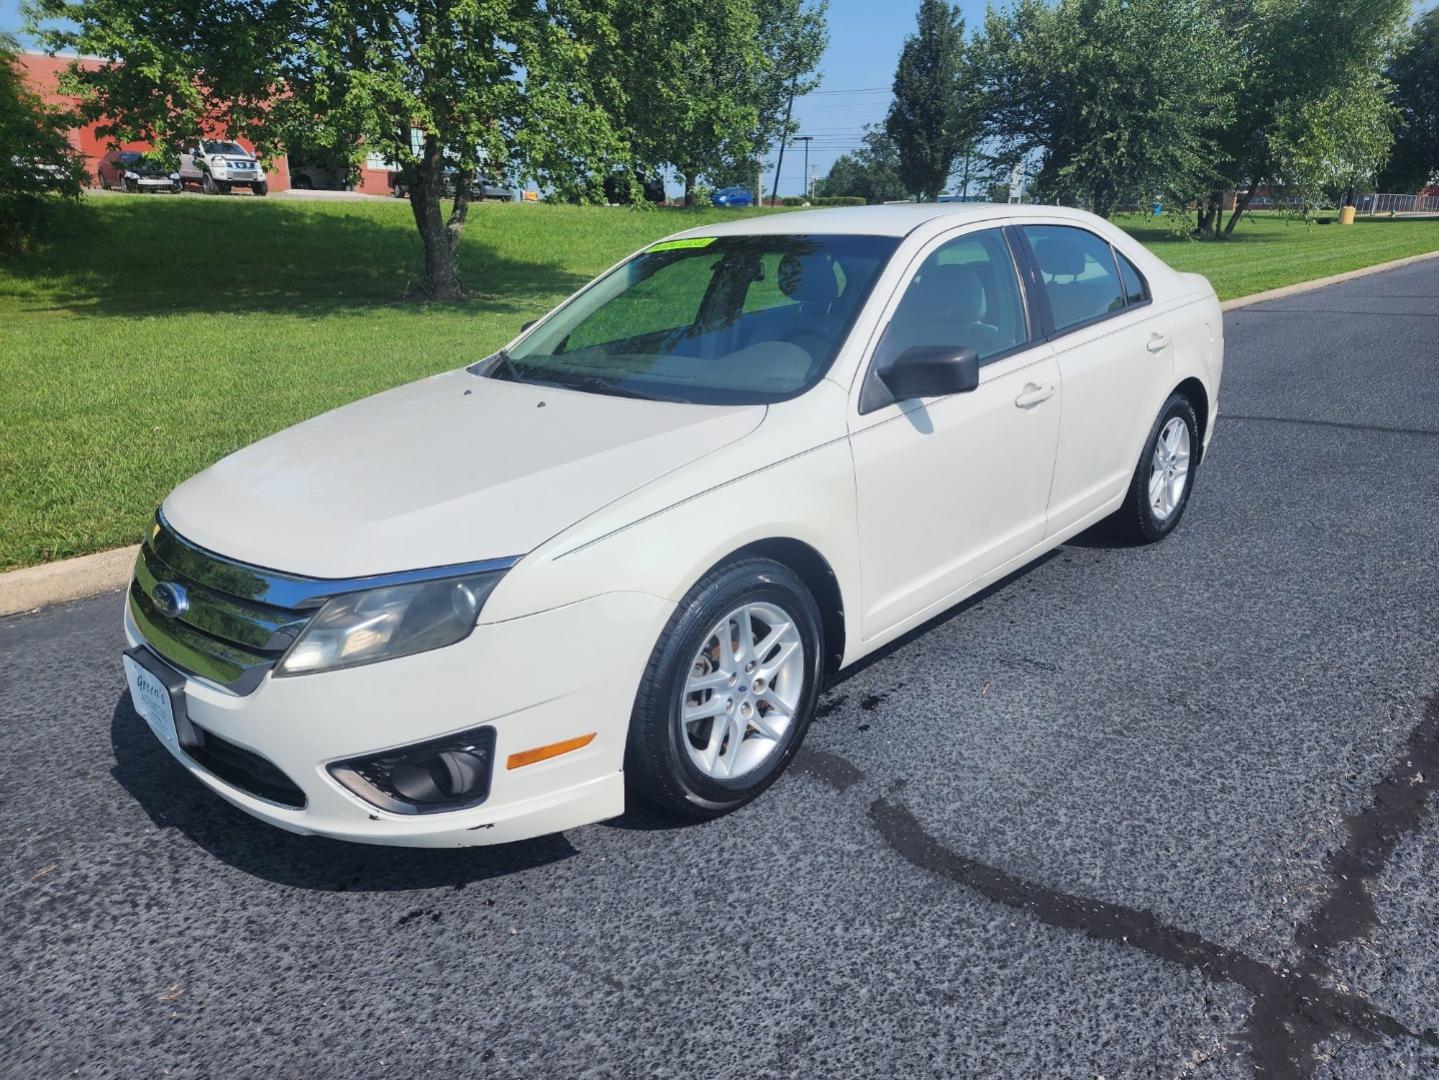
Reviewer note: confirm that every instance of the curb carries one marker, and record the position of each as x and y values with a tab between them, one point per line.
70	579
1324	282
74	579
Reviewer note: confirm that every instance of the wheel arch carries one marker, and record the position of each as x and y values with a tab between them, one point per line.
818	576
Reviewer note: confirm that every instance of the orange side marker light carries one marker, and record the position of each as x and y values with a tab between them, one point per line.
544	753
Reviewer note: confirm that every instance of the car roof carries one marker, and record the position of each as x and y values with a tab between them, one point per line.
895	220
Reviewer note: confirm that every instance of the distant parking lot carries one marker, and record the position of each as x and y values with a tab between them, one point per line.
1152	812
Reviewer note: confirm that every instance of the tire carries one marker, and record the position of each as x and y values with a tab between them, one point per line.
1145	518
661	755
128	188
104	184
208	185
262	188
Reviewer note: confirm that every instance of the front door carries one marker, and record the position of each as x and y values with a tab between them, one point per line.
953	488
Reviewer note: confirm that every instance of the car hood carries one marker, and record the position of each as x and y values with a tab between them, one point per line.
452	469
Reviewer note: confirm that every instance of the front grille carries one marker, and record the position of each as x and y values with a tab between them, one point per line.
236	621
245	769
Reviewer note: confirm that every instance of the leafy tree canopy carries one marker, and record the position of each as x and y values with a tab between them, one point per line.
36	160
1111	98
1414	71
932	119
872	172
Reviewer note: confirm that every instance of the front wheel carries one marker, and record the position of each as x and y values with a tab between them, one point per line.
728	693
208	185
262	188
1164	477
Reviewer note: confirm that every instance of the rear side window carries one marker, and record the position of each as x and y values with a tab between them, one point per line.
1136	289
1078	272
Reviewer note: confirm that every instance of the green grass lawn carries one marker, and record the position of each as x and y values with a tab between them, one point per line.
153	335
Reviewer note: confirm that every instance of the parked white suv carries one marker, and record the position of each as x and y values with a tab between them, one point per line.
218	166
624	552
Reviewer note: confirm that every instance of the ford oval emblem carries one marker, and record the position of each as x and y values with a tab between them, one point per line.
170	599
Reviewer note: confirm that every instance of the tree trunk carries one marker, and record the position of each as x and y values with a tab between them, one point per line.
1240	206
690	177
1208	211
441	238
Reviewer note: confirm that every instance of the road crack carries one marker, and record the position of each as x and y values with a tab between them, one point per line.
1295	1009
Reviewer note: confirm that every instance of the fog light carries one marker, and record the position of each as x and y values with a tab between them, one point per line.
450	773
435	778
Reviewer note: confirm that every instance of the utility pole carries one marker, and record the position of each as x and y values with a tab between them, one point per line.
806	140
784	132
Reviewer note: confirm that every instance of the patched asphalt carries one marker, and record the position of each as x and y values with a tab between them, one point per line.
1157	812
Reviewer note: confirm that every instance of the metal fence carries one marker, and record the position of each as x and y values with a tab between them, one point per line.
1397	204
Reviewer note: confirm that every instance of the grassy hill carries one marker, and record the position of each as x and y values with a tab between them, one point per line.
153	335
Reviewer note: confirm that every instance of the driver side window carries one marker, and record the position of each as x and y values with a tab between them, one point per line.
966	293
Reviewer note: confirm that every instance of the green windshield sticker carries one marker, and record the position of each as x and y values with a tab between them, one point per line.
676	245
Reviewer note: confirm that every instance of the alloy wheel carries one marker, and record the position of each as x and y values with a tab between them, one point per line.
1169	469
744	685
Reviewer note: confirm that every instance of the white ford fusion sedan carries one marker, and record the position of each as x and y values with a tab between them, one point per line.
620	555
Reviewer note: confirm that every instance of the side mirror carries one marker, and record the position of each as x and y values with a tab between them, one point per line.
528	325
932	371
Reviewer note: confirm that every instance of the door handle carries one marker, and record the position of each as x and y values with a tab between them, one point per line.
1157	342
1033	394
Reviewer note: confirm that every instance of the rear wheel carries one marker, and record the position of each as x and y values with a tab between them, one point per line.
728	693
1164	477
104	184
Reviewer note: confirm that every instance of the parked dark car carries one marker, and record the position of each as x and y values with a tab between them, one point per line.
617	188
481	188
131	170
733	196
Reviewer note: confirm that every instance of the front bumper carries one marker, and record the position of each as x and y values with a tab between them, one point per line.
536	680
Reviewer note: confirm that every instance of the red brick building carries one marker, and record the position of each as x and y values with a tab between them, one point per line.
42	73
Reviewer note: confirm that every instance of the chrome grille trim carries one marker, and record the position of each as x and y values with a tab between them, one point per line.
241	619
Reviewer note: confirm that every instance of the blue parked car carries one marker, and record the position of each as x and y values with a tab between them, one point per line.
733	196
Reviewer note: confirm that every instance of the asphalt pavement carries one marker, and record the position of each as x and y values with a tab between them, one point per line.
1155	812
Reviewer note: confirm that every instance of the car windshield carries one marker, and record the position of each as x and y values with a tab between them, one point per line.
226	148
708	320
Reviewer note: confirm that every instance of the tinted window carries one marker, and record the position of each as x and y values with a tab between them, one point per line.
965	294
712	320
1135	290
1078	273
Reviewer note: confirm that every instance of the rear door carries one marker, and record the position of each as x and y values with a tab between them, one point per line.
953	488
1115	357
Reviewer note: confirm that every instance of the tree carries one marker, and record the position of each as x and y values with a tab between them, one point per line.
439	87
1414	72
1323	150
703	87
871	172
36	160
932	119
793	37
1113	99
1290	57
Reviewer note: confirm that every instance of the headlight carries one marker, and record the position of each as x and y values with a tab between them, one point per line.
397	620
132	176
174	176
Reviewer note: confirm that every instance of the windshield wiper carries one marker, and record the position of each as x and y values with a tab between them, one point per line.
485	367
578	380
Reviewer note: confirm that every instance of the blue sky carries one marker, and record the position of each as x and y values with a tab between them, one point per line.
865	39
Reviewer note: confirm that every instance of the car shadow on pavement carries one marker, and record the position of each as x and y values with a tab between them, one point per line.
173	799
